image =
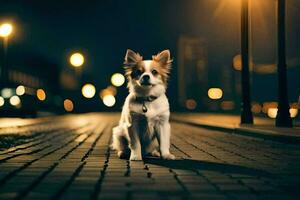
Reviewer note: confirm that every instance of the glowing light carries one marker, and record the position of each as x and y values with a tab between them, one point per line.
7	92
6	29
88	91
190	104
237	62
117	79
14	100
215	93
77	59
68	105
2	101
110	90
109	100
41	95
293	112
272	112
20	90
227	105
256	108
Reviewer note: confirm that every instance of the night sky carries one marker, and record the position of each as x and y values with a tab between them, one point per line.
104	29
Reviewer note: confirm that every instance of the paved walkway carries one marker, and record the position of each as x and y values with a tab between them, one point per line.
69	158
262	128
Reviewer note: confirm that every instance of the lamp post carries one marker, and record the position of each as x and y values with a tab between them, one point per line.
283	118
5	31
246	114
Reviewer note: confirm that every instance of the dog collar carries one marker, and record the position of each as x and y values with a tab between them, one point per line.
142	100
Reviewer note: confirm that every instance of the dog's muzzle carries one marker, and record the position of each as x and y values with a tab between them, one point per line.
145	80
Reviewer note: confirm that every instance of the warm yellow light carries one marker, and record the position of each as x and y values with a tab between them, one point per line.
77	59
6	29
68	105
41	95
256	108
190	104
237	62
227	105
15	100
215	93
2	101
272	112
117	79
88	91
109	100
293	112
20	90
110	90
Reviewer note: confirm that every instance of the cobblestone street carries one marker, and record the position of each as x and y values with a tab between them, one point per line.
68	157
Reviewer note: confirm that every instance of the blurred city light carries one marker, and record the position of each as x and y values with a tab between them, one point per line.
41	94
190	104
109	100
15	100
256	108
68	105
6	29
2	101
88	90
110	90
227	105
77	59
117	79
293	112
215	93
268	105
7	92
272	112
237	62
20	90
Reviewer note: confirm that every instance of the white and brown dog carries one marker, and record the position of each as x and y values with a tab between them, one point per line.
144	127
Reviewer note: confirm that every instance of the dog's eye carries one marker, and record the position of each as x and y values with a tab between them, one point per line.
154	72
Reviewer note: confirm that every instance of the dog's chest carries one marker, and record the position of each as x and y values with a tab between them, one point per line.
150	109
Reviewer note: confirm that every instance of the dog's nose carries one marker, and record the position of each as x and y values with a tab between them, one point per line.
145	80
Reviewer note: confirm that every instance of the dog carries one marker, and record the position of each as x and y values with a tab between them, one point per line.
144	127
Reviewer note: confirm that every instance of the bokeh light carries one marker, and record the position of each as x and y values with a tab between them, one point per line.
293	112
14	100
20	90
227	105
7	92
2	101
41	94
77	59
215	93
256	108
190	104
109	100
6	29
117	79
68	105
272	112
88	90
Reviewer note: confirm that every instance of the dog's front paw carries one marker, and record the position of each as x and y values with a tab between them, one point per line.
135	157
168	156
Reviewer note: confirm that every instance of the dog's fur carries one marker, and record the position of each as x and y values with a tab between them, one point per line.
144	127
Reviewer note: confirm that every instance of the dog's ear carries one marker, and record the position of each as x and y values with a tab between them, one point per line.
163	57
132	58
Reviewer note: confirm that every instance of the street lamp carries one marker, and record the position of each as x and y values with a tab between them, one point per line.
246	114
5	31
283	118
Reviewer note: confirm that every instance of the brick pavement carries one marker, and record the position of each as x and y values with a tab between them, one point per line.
69	158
